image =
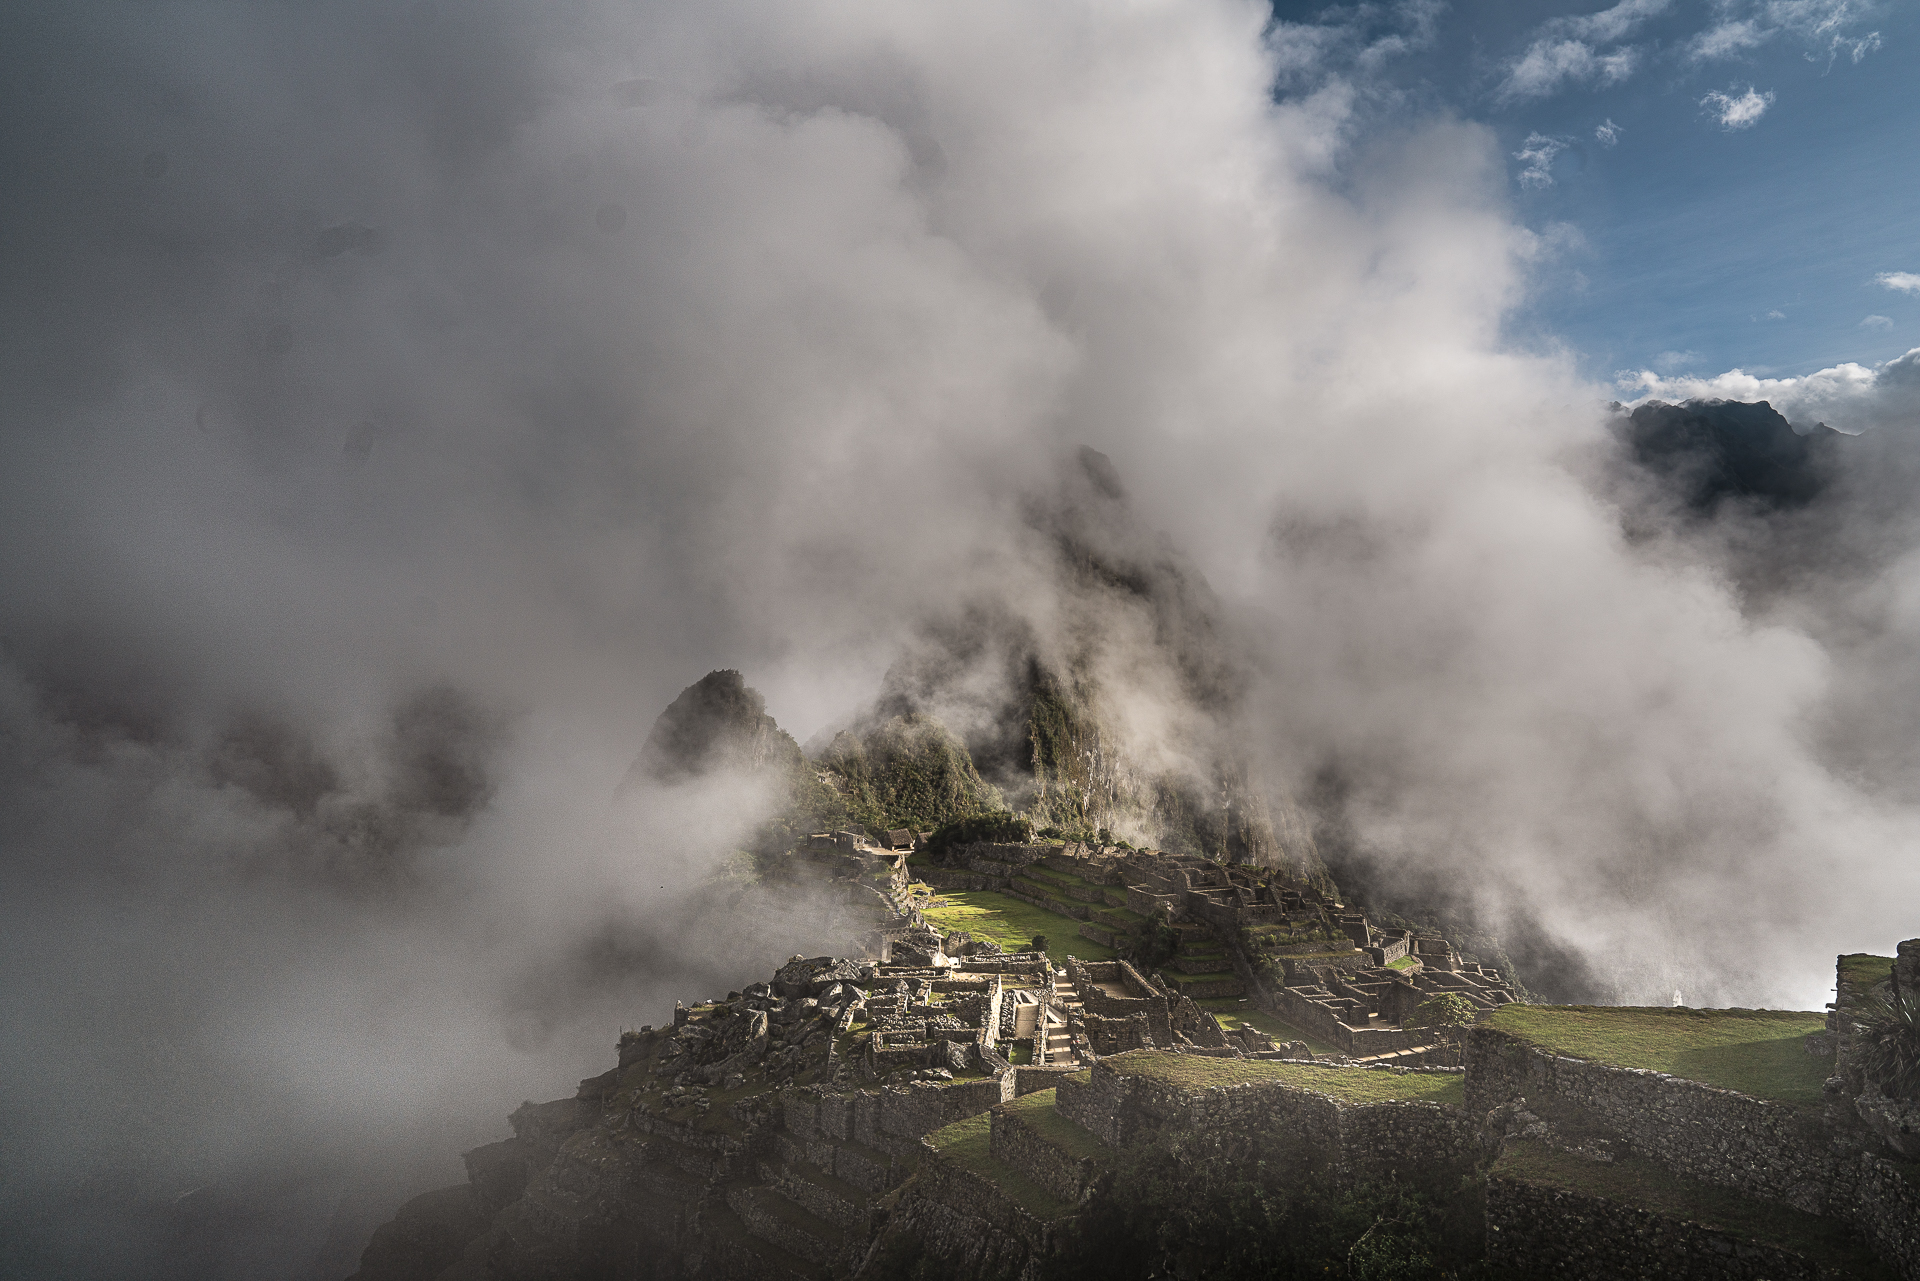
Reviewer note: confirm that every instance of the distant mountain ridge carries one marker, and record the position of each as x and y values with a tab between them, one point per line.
1709	451
985	713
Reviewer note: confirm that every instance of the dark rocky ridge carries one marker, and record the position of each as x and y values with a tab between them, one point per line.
1709	451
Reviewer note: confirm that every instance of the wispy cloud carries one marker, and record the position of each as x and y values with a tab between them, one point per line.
1877	322
1776	314
1906	282
1536	157
1607	133
1829	27
1575	50
1740	112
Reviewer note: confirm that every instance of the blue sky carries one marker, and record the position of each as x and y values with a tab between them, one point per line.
1724	182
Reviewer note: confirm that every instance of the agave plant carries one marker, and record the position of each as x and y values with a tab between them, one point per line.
1887	1043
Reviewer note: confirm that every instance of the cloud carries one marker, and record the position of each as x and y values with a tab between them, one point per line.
1776	314
1547	65
468	380
1566	51
1824	25
1905	282
1851	398
1607	133
1740	112
1536	156
1877	322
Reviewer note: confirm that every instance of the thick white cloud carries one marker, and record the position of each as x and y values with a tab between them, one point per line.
563	353
1851	398
1906	282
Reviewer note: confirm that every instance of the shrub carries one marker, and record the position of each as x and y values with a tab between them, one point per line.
1039	943
1152	946
1887	1043
1449	1009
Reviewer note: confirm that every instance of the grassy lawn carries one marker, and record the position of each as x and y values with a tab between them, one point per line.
1037	1113
1234	1015
968	1144
1349	1085
1012	924
1631	1180
1757	1052
1404	963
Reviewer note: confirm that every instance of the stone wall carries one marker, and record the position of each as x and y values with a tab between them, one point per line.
1535	1231
1049	1166
968	1223
1031	1080
1762	1148
1765	1149
1423	1142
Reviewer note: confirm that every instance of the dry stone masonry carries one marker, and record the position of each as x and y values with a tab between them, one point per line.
863	1117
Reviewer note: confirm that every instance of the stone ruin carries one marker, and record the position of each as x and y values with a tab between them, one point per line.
1316	963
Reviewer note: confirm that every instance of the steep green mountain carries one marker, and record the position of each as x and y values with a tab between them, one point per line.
1052	712
720	724
907	771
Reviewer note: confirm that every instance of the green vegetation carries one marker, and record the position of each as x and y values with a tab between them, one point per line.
1235	1014
1757	1052
994	828
1353	1085
907	772
1448	1009
986	914
1036	1111
1152	947
1887	1043
1404	963
1635	1181
968	1144
1860	972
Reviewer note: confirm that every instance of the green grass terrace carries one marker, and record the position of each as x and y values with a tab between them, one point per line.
1353	1085
968	1144
988	914
1760	1053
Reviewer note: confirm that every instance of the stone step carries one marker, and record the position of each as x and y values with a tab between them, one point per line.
822	1195
868	1169
739	1255
776	1220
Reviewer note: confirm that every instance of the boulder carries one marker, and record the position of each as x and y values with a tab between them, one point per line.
1896	1121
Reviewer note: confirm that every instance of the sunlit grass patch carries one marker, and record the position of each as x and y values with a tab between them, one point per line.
1757	1052
986	914
1348	1084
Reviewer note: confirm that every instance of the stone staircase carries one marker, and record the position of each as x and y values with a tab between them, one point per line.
1059	1040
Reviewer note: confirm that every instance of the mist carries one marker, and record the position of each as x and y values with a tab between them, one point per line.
406	403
